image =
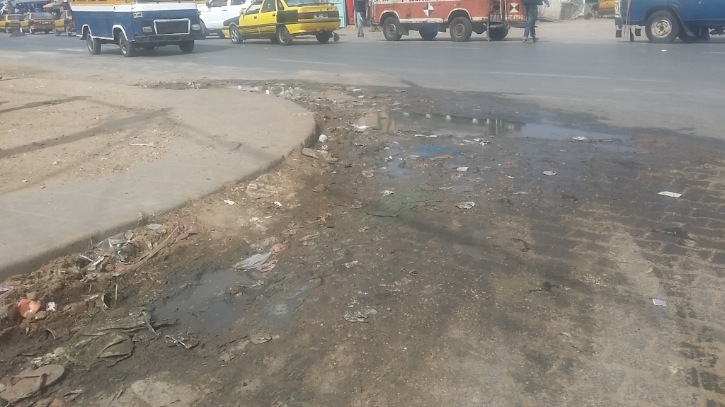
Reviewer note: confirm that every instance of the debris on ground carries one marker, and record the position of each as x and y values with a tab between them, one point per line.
550	173
320	155
253	262
319	188
659	303
28	308
359	316
670	194
30	382
188	344
465	205
5	290
229	202
351	264
260	338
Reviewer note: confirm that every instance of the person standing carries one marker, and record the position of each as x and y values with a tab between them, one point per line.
360	17
532	14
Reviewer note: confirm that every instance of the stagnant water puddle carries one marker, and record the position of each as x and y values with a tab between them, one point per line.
209	304
439	125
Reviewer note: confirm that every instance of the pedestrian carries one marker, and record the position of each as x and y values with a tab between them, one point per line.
532	14
360	17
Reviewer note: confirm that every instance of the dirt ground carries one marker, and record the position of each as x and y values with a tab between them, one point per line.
424	258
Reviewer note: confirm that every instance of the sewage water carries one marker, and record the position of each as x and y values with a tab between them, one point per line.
440	125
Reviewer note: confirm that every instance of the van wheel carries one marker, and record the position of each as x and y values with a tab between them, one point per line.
186	46
461	29
127	48
428	33
234	34
391	29
93	44
662	27
498	34
283	35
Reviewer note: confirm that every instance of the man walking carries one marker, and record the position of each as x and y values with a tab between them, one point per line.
532	14
360	17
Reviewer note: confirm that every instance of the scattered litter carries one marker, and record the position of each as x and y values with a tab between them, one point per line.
579	138
154	226
253	262
670	194
368	173
188	344
474	121
664	50
659	303
142	144
278	204
229	202
323	138
30	382
388	192
356	205
351	264
5	290
465	205
319	188
361	127
51	307
260	338
462	169
358	316
448	117
319	155
550	173
27	308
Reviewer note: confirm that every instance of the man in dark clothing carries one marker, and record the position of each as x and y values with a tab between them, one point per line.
532	14
360	11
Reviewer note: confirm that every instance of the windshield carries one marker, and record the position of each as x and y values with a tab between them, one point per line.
41	16
293	3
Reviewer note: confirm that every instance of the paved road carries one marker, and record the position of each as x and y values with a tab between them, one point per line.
577	67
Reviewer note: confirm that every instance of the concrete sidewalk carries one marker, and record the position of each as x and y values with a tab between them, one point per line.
226	136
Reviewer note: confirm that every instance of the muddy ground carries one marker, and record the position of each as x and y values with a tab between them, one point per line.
510	260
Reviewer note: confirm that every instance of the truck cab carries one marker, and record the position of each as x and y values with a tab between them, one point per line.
666	20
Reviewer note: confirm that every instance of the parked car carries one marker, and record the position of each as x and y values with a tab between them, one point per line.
283	20
214	13
665	20
64	23
37	22
10	22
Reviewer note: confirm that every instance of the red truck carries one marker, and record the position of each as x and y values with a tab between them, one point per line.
460	17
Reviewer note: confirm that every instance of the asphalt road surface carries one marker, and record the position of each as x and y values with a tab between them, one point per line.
577	67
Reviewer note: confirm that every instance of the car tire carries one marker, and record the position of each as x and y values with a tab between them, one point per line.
127	47
662	27
93	44
428	33
323	38
186	47
461	29
391	29
498	33
283	35
234	34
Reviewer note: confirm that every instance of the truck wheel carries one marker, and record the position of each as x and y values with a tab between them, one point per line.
127	47
93	44
284	36
498	33
391	29
234	34
461	29
186	46
428	33
662	27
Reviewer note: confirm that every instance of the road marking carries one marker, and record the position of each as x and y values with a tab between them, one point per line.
294	61
597	78
715	52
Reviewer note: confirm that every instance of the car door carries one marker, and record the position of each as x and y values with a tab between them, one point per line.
249	21
268	19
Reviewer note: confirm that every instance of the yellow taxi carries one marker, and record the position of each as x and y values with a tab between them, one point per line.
64	23
37	22
283	20
10	22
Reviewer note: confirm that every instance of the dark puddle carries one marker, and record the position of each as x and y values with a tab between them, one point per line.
440	125
210	304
